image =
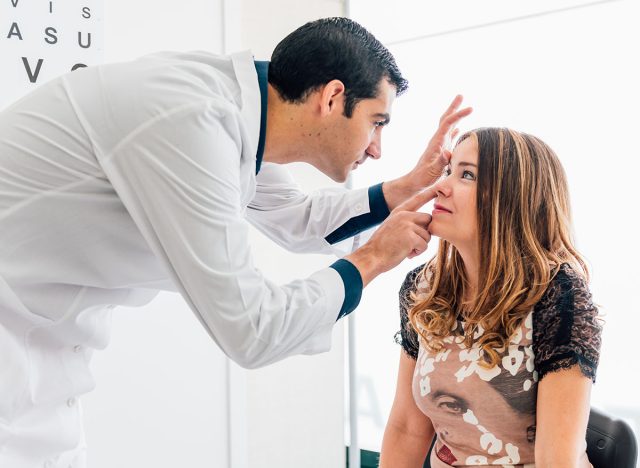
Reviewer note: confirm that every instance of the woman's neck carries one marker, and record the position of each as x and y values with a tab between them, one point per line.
471	260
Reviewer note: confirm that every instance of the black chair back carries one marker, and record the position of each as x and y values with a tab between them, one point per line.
610	442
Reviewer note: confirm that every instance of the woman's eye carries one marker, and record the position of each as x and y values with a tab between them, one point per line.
468	175
446	172
380	123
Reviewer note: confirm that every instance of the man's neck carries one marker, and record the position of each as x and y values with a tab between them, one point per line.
289	137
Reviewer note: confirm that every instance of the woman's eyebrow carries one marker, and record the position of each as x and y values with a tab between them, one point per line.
464	163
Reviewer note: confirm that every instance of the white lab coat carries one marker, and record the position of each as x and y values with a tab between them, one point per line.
122	180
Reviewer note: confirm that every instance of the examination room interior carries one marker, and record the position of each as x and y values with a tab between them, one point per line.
565	70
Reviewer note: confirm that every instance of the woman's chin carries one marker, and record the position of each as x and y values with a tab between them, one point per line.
442	236
439	230
435	231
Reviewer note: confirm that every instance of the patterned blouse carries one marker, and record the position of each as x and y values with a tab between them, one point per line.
487	417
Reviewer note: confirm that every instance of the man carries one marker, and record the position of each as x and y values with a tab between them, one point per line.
122	180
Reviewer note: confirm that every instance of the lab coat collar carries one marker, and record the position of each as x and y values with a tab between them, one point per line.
262	68
247	77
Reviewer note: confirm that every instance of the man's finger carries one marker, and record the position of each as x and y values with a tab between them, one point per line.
447	122
418	200
453	106
421	219
420	243
452	119
419	222
424	236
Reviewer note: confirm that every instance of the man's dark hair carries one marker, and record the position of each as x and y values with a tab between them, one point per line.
332	49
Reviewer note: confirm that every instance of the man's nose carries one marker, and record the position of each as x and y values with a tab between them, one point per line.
375	147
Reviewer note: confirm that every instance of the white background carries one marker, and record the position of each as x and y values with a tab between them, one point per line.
570	77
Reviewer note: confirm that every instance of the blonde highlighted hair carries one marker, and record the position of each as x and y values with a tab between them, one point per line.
524	235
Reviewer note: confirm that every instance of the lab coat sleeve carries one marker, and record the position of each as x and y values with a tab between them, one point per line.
331	220
179	178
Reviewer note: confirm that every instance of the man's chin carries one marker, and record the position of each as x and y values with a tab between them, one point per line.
339	177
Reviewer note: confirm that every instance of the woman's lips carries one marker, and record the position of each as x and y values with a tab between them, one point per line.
440	209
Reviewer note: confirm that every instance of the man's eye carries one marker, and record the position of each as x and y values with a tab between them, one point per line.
468	175
380	123
452	405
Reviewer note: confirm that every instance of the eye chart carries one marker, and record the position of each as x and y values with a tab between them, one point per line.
42	39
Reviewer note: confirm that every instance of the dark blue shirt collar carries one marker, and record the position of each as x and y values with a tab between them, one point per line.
262	68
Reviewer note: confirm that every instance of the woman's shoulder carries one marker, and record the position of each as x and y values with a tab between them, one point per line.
566	326
410	280
567	289
567	274
412	283
407	336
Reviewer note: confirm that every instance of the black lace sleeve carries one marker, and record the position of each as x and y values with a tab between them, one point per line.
566	327
407	336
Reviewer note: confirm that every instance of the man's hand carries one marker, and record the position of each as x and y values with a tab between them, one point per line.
403	235
438	152
433	160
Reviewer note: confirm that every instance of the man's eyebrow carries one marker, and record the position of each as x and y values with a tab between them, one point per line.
384	116
440	393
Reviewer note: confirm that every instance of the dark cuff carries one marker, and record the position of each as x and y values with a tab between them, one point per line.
378	212
377	203
352	286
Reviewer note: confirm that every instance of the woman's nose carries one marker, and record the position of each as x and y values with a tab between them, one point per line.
442	187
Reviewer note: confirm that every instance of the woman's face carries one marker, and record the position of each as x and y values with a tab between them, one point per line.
454	215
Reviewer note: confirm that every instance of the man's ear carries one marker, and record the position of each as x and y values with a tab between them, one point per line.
332	97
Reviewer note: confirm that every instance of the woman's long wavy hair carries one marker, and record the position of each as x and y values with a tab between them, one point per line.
524	235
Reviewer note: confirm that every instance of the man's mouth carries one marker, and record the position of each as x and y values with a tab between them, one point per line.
445	455
362	160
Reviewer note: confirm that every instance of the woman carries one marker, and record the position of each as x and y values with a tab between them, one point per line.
500	337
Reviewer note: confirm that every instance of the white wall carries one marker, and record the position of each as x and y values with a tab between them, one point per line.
144	26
